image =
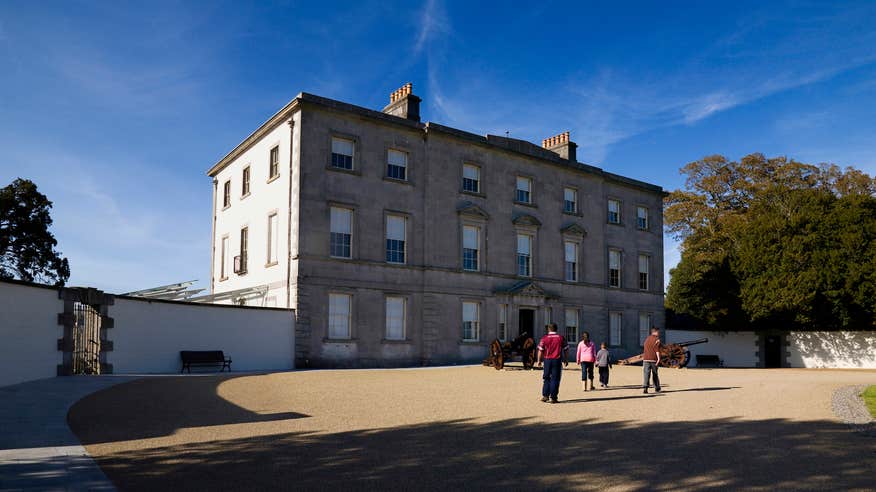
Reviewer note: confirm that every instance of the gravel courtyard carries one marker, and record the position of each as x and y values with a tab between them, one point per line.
474	427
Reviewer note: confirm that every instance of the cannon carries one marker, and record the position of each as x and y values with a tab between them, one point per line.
671	355
524	345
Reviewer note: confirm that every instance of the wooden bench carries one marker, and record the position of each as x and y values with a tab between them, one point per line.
203	358
709	361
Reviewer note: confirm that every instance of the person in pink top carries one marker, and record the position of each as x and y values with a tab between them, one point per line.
585	358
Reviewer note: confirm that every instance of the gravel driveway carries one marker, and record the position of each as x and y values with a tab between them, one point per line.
475	428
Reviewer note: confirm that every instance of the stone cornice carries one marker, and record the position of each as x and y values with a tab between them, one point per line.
511	145
278	118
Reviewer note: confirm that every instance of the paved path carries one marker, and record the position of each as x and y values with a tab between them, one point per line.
470	428
37	449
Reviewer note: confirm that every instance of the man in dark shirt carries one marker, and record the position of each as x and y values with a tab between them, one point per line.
651	359
551	349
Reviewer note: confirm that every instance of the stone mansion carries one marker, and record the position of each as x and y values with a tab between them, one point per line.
405	243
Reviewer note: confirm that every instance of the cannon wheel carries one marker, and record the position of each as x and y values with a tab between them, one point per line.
528	352
497	357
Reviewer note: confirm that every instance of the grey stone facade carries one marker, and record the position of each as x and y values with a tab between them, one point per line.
435	207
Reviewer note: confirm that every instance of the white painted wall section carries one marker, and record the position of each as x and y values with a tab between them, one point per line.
149	335
838	350
736	349
29	331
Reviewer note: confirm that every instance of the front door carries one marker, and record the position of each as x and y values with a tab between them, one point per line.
526	322
773	351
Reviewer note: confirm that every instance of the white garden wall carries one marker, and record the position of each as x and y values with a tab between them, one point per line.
149	335
736	349
29	331
825	349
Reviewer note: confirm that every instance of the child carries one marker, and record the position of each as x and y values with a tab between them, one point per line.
586	357
603	361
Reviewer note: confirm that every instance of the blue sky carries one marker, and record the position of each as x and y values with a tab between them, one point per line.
117	109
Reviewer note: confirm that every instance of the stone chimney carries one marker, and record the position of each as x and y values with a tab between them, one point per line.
403	103
561	144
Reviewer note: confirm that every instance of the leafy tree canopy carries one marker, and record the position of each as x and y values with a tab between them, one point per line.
773	243
27	248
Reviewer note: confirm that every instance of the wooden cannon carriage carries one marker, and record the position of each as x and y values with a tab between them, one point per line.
501	353
673	355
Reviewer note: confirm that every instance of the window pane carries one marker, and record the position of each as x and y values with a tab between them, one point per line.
471	172
341	219
614	259
273	238
397	158
644	327
339	316
503	319
395	227
395	318
569	194
342	146
470	321
613	206
523	244
470	237
643	263
223	272
571	251
523	184
614	331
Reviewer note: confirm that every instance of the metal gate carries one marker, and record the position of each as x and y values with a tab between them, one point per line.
86	339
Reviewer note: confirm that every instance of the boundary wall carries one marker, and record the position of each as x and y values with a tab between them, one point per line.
138	336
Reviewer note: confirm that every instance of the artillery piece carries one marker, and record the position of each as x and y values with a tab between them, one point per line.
671	355
500	353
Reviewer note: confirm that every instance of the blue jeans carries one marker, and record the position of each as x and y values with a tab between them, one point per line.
650	368
553	370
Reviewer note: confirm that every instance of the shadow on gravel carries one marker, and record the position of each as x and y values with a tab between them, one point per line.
516	454
163	405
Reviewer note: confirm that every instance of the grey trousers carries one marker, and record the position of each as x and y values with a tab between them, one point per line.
650	368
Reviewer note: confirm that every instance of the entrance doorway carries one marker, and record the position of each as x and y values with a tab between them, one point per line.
773	351
526	322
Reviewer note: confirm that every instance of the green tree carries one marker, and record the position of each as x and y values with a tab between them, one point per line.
27	248
774	243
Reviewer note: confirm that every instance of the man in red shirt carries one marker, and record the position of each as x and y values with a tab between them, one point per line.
552	348
651	359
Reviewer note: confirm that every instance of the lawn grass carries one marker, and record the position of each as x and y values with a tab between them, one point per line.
869	396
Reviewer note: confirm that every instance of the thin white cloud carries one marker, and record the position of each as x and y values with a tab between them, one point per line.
433	23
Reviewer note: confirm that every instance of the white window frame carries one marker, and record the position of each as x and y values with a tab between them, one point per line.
340	326
352	154
528	255
646	272
574	200
576	315
620	262
502	334
225	260
645	323
528	190
617	212
332	231
404	241
271	172
615	330
404	166
475	327
574	261
477	180
642	219
246	181
388	334
226	194
273	253
477	249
